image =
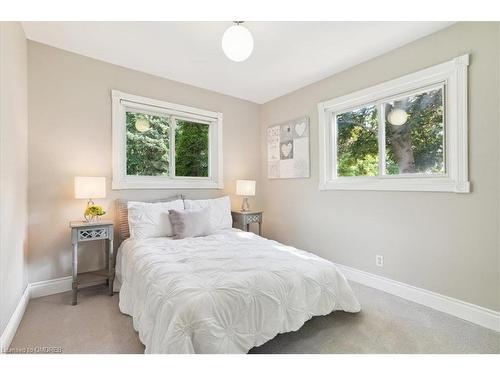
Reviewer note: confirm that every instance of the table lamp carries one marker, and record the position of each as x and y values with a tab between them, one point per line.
245	188
90	188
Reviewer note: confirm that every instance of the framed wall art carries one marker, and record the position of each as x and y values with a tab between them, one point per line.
288	149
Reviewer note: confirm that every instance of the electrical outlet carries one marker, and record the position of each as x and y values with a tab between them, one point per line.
379	260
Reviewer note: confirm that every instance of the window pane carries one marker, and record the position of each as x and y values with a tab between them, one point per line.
357	142
191	149
414	131
147	144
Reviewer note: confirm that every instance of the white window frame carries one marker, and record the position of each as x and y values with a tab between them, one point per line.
122	102
452	76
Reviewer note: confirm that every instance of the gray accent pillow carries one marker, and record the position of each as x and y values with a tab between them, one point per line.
190	223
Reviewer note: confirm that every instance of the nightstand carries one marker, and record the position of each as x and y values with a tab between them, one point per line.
243	219
82	231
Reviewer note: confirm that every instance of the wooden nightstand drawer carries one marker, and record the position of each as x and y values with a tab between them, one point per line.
98	233
253	218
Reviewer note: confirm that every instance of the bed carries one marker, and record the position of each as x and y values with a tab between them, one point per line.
223	293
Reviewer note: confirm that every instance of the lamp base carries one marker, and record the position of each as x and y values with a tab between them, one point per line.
89	218
244	205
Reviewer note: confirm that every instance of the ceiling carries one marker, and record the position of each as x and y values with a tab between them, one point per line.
286	56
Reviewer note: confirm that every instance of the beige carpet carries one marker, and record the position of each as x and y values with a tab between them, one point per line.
387	324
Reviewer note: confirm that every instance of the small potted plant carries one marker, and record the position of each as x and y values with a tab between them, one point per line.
94	213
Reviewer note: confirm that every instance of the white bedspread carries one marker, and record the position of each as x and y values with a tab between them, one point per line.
224	293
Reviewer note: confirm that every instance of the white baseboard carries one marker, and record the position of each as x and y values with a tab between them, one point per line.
14	321
464	310
48	287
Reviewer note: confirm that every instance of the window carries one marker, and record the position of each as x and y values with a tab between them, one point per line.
408	134
162	145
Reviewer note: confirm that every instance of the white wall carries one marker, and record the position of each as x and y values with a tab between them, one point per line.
70	135
13	168
444	242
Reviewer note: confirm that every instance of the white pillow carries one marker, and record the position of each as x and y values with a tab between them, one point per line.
220	211
147	220
191	223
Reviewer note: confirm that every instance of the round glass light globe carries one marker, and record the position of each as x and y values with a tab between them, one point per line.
237	43
142	125
397	117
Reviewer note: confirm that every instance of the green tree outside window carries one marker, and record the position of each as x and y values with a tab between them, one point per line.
191	149
147	151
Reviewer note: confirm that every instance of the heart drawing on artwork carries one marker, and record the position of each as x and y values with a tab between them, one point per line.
300	129
286	148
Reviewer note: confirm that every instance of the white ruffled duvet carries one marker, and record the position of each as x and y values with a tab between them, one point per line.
224	293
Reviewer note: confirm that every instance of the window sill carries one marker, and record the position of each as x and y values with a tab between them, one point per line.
392	184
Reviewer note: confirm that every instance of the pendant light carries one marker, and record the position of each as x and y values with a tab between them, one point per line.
397	117
237	42
142	124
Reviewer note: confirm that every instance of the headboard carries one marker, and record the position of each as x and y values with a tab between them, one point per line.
122	214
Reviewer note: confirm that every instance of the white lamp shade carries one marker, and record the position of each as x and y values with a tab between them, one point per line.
237	43
90	187
245	187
